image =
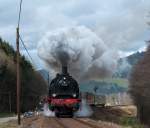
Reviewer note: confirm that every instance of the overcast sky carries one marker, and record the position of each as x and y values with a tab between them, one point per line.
121	24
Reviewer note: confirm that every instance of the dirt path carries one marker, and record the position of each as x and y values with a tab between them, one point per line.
6	119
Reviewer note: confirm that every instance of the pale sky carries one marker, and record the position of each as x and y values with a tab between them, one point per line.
121	24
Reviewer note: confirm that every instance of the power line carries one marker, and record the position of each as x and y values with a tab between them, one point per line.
19	17
26	49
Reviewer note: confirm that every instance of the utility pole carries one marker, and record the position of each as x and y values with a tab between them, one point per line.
18	75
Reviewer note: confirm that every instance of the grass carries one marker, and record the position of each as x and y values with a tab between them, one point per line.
124	116
119	81
130	121
6	114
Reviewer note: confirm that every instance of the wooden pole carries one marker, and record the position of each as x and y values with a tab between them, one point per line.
18	76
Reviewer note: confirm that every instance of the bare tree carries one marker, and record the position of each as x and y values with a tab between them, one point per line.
140	88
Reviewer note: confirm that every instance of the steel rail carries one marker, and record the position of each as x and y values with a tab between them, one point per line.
60	123
86	123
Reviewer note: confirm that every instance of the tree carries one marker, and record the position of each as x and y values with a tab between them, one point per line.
33	85
140	87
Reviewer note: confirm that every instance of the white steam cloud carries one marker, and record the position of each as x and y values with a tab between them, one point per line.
47	112
85	54
85	110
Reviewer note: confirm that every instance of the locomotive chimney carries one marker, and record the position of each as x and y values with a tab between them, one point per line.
64	70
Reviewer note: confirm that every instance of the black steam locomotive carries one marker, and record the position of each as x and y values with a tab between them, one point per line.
64	94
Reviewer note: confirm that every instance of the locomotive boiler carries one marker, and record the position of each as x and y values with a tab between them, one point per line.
64	94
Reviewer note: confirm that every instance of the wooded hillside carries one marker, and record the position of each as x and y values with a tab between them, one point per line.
33	86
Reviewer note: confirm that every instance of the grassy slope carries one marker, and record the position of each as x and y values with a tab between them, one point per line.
120	82
121	115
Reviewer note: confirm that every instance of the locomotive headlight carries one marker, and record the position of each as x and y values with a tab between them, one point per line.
74	95
54	95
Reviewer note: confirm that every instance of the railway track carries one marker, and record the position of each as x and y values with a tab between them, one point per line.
53	122
86	123
74	123
62	125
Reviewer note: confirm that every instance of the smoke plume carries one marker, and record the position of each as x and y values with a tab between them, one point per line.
85	54
47	112
85	110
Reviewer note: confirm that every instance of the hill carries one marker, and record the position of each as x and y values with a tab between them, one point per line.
32	84
134	58
102	87
125	65
44	74
119	82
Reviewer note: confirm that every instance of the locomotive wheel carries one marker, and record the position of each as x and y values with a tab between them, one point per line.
71	114
57	114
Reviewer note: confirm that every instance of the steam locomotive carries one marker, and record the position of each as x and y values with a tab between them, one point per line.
64	94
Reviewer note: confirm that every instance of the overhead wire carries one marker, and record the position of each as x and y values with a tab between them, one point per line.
19	18
26	49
